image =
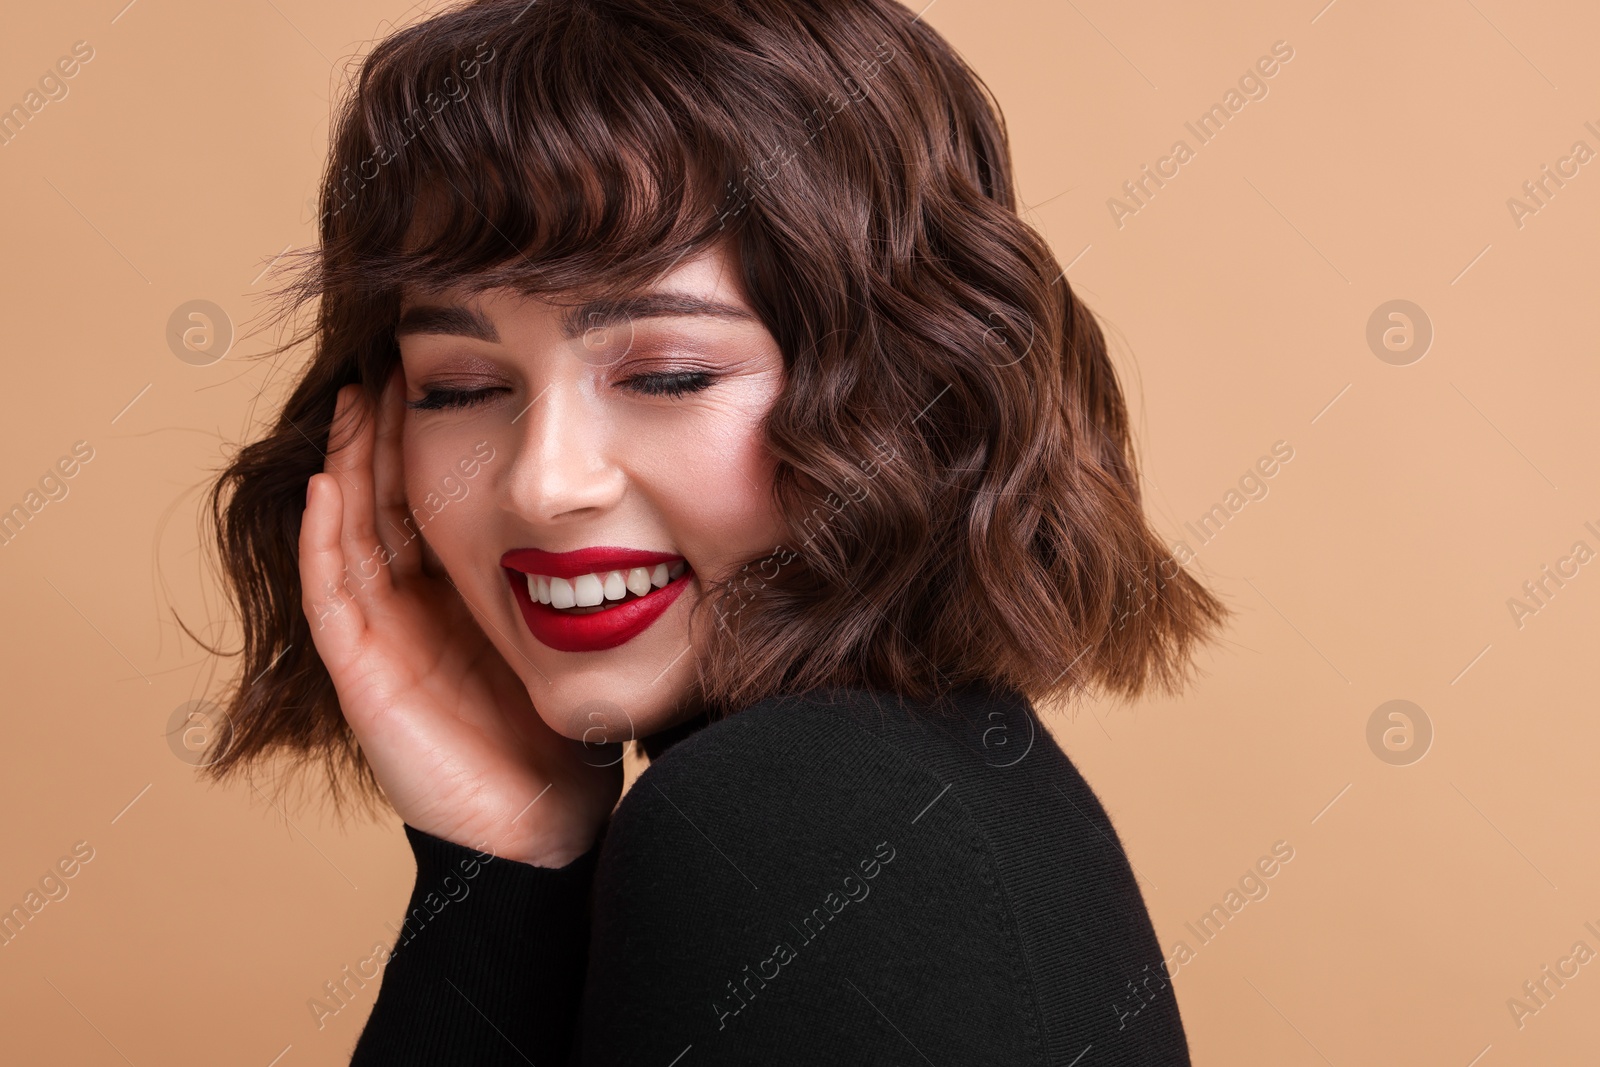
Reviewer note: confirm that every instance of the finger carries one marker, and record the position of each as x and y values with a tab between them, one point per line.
342	431
336	620
351	459
389	481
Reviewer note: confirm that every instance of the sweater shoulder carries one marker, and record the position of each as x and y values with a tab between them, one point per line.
786	762
778	732
770	855
847	758
1001	857
975	726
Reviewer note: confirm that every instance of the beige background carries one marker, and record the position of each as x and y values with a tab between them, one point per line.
1379	566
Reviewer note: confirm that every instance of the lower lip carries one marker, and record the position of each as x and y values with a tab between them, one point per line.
595	631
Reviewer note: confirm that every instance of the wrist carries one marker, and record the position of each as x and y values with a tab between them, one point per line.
547	853
443	854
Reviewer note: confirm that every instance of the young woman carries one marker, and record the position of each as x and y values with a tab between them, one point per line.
684	375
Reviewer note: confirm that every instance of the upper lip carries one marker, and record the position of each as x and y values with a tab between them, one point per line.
582	561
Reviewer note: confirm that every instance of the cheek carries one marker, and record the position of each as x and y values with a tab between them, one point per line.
442	499
712	482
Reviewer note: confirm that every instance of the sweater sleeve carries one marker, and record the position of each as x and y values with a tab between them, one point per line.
488	965
783	889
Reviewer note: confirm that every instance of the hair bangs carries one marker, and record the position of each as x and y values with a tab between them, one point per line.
565	168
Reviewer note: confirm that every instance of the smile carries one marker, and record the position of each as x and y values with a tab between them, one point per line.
595	598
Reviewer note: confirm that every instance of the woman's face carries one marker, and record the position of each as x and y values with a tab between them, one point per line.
584	470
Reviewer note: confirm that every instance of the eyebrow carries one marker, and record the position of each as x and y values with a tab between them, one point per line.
462	321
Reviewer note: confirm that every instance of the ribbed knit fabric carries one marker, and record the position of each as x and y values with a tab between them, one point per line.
834	877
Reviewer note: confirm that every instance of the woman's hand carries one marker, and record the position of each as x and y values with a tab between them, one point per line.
447	727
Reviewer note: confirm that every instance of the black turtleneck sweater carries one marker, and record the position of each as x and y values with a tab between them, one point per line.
834	877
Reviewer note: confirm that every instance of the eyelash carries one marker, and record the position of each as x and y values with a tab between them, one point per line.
444	399
672	384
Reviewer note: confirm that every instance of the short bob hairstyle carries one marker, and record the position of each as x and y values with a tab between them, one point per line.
954	460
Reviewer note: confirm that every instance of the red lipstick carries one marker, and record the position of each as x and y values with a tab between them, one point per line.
583	561
598	630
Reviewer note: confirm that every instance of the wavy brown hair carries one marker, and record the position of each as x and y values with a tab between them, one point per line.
954	458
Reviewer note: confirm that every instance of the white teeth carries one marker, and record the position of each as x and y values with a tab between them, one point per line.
592	590
587	589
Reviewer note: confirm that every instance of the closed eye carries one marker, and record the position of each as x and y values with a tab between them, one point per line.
666	384
670	383
445	399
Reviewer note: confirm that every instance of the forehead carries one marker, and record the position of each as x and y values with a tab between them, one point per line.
712	272
704	287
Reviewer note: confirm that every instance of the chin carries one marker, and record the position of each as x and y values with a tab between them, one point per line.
581	711
596	706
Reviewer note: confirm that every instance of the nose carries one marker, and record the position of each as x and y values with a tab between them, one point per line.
563	470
